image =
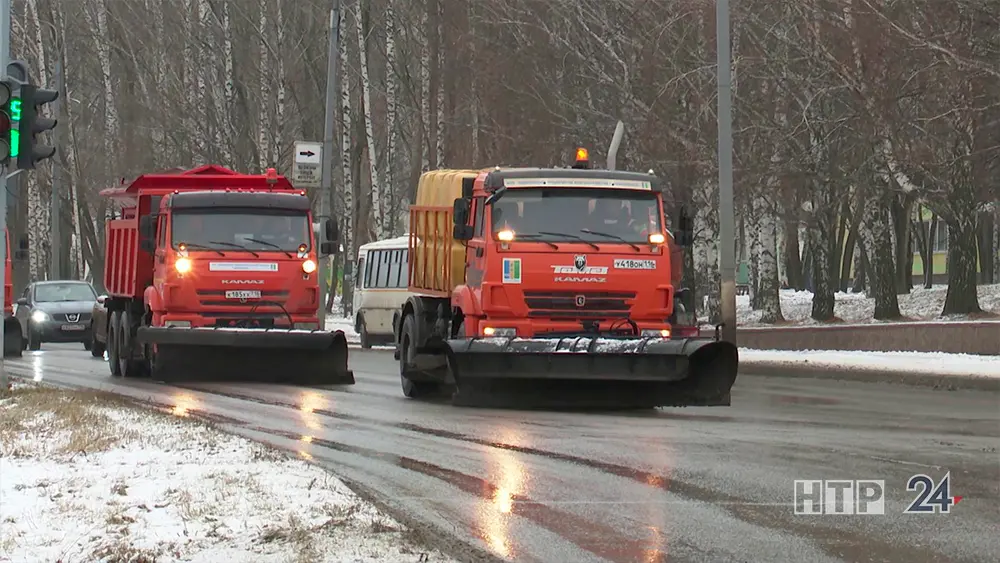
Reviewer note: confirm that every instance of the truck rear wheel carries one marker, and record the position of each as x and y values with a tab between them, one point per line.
407	351
129	367
113	328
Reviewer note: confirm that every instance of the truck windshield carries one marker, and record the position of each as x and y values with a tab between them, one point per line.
570	214
257	230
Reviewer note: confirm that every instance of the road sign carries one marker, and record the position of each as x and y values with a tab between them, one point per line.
307	171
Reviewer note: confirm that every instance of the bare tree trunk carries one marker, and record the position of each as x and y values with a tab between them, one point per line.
373	164
928	252
962	297
770	301
881	278
264	156
346	169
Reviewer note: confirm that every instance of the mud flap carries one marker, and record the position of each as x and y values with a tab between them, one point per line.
595	372
298	357
12	345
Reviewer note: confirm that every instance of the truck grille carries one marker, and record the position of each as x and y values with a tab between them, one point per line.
217	298
579	304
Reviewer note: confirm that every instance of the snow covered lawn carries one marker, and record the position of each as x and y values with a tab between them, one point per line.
86	478
920	304
929	363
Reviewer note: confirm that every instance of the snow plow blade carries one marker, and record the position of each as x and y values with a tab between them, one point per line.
297	357
595	372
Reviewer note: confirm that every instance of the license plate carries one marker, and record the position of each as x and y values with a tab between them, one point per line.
72	327
242	294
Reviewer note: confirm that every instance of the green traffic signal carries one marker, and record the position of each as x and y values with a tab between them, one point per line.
15	124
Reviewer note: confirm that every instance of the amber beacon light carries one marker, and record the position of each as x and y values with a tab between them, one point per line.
582	158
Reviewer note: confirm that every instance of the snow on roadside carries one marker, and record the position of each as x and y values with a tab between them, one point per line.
919	304
87	479
932	363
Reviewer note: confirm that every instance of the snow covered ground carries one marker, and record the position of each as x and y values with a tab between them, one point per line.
920	304
929	363
83	478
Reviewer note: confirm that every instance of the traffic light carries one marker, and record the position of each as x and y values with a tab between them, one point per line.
9	106
29	151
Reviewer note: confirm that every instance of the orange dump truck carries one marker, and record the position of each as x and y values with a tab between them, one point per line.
550	283
212	274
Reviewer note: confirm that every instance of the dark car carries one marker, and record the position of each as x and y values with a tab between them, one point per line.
56	311
99	327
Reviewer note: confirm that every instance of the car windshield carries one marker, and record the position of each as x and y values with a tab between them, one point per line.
568	214
64	292
257	230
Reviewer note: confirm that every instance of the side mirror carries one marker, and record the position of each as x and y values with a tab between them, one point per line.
331	230
101	299
147	229
327	248
460	214
22	301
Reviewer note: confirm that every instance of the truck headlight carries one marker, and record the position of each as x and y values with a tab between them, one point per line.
39	316
182	265
656	333
500	332
308	266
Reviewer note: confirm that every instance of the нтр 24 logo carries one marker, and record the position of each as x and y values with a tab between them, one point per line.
932	498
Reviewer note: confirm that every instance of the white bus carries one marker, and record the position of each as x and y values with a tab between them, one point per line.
380	289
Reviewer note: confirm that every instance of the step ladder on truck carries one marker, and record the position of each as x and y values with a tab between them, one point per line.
551	286
212	275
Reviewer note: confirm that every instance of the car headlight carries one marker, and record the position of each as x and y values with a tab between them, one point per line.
308	266
656	333
182	265
39	316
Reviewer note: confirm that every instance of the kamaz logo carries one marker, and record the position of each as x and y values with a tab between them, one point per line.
243	282
579	267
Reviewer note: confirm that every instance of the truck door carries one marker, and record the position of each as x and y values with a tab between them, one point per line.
475	258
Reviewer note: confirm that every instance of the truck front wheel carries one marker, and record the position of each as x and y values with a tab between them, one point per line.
407	352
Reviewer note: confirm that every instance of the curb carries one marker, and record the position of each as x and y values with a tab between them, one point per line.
948	382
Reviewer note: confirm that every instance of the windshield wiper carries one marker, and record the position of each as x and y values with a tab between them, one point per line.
616	237
234	245
531	236
202	247
574	237
271	244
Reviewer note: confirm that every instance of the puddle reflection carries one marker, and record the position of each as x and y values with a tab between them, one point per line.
37	370
309	403
183	403
510	477
307	444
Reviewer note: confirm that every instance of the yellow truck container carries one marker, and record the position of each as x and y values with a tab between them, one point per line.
437	260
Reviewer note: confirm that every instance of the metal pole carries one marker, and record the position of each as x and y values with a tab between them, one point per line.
55	216
616	141
4	59
727	231
326	197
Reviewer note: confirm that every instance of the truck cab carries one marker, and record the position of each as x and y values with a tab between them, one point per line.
559	252
233	258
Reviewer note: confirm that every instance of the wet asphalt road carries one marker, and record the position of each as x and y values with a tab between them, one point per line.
696	484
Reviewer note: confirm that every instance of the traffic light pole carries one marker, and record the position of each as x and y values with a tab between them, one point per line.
55	215
4	59
326	197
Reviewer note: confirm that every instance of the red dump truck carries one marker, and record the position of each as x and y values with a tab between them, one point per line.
550	285
12	345
211	274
